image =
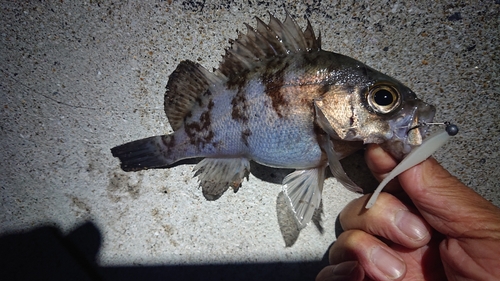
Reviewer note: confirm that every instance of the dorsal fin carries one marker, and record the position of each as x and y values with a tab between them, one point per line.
313	42
185	86
267	41
190	81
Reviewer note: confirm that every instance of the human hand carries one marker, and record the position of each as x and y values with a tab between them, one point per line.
434	228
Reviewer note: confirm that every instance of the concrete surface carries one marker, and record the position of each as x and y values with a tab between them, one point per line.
79	77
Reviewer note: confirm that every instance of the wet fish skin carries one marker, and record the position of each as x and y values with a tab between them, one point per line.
280	100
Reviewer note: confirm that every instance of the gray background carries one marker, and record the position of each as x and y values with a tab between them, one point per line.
78	78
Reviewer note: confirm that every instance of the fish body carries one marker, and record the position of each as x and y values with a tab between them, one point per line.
280	100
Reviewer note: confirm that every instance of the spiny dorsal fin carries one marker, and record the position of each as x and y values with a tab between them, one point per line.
313	43
190	81
267	41
186	84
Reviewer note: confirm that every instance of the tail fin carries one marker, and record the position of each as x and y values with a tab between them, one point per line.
148	153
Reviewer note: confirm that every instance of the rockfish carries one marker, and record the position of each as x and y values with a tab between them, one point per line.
280	100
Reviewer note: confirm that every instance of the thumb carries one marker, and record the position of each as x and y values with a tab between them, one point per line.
449	206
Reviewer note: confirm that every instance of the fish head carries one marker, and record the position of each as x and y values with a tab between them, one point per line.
394	117
374	108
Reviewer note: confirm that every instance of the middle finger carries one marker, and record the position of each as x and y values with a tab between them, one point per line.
388	218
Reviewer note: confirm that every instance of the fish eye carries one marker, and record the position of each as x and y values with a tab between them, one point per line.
383	98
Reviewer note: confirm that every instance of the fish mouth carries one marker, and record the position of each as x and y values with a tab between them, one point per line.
410	128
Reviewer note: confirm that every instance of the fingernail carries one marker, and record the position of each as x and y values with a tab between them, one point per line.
389	264
410	225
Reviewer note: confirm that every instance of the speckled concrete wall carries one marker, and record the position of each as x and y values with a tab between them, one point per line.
79	77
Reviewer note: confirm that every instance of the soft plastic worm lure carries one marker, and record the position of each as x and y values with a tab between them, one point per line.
416	156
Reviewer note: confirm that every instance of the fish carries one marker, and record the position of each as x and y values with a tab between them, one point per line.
279	99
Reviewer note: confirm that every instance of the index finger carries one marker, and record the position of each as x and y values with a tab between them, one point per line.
380	164
447	204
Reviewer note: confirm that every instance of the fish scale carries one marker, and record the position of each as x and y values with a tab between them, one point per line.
278	99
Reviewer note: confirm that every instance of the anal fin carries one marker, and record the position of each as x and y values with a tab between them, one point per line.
216	175
302	190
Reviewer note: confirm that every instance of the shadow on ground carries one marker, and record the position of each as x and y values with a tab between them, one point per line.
46	254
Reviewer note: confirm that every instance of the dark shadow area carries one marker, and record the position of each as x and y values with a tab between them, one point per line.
190	161
338	227
355	167
269	174
46	254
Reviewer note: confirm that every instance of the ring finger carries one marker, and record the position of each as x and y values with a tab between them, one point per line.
377	260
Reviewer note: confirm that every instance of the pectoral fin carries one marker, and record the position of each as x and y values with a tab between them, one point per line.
216	175
333	159
335	165
302	190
